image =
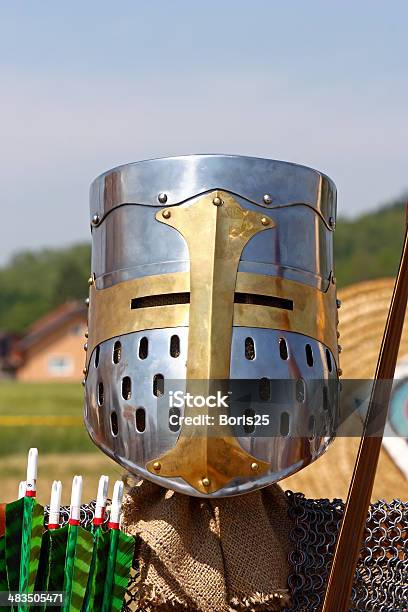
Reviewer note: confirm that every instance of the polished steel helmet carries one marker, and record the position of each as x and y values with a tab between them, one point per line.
212	277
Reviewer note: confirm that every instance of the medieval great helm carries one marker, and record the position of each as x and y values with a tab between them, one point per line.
210	270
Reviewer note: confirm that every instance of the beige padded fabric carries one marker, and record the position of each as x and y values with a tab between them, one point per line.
227	554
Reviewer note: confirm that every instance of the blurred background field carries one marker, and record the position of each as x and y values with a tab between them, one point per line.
49	417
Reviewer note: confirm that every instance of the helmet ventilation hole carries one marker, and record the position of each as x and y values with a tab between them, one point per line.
249	428
158	385
140	419
143	348
300	391
126	388
114	423
101	394
264	389
325	399
249	349
329	361
312	426
283	349
309	355
174	346
175	425
284	424
97	353
117	352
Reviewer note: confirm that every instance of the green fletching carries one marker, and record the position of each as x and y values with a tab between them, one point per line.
37	528
96	579
77	564
58	546
110	570
14	521
124	558
43	572
24	526
25	544
3	572
121	550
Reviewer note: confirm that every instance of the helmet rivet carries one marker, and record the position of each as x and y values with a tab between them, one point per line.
217	201
205	481
86	334
338	303
166	214
86	301
90	280
332	222
265	221
157	466
95	219
254	466
84	382
84	371
85	346
162	197
267	198
339	372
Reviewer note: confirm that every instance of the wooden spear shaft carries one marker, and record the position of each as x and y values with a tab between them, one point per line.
351	534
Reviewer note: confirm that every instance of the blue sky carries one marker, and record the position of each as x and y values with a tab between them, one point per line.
88	85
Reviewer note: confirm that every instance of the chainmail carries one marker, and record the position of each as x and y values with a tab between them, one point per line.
87	513
381	580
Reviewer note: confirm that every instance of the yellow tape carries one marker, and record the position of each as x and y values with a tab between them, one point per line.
25	420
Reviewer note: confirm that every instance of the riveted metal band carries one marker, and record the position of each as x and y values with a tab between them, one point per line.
265	182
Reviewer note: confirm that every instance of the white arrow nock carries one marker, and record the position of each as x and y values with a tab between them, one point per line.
32	466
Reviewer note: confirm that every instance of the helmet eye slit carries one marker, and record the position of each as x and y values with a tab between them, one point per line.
263	300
